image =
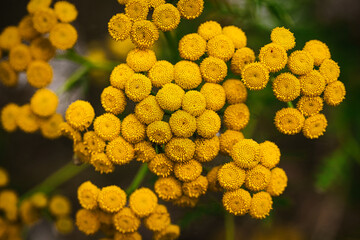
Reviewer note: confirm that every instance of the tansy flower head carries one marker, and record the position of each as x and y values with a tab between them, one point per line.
168	188
273	56
34	5
190	9
208	124
236	35
19	57
185	201
26	120
228	139
148	110
120	151
166	17
255	76
286	87
69	132
195	188
126	236
289	121
4	177
213	70
334	93
154	3
141	60
101	163
261	204
278	182
87	194
143	202
158	220
9	37
119	27
187	171
50	128
283	37
63	36
59	206
212	179
318	50
64	225
44	20
113	100
230	176
214	95
9	115
26	28
221	46
144	151
315	126
39	199
310	105
194	103
241	58
8	76
235	91
44	102
257	178
161	165
236	116
81	152
39	74
136	9
107	126
111	199
192	46
65	11
180	149
171	232
237	202
28	213
119	75
182	124
144	34
125	221
87	221
329	69
170	96
269	154
42	49
161	73
94	143
246	153
206	149
187	74
300	62
159	132
132	130
209	29
312	84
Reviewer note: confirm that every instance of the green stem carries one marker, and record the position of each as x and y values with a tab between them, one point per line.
172	45
139	177
229	226
62	175
73	79
290	104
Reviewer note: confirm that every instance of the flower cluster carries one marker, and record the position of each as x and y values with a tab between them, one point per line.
108	209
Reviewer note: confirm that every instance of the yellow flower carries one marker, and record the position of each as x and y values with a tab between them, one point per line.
246	153
101	163
44	19
190	9
34	5
171	232
170	96
81	152
286	87
143	202
8	76
39	74
300	62
120	151
212	179
111	198
269	154
87	194
9	115
19	57
63	36
159	132
330	70
236	116
208	124
8	199
236	35
283	37
166	17
69	132
42	49
182	124
119	27
257	178
237	202
318	50
65	11
113	100
148	110
195	188
192	46
180	149
144	33
213	70
206	149
310	105
126	236
230	176
214	95
4	177
155	3
185	201
136	10
241	58
255	76
187	74
28	213
278	182
50	128
261	204
39	200
168	188
9	38
194	103
161	73
289	121
141	60
273	56
59	206
44	102
64	225
312	84
27	120
119	75
138	87
161	165
221	46
315	126
125	221
235	91
158	220
228	139
209	29
144	151
26	28
334	93
132	130
187	171
94	143
107	126
87	221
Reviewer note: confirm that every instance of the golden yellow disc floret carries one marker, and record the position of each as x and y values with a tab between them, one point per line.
44	102
236	116
87	194
246	153
235	91
113	100
230	176
255	76
192	46
154	3
4	177
42	49
65	11
170	96
206	149
168	188
212	179
64	225
126	236
289	121
125	221
318	50
171	232
286	87
334	93
26	120
300	62
194	103
187	171
161	165
120	151
236	35
34	5
278	182
159	132
26	28
187	74
208	124
228	139
39	199
136	9
94	143
138	87
148	110
257	178
273	56
87	221
101	163
63	36
283	37
111	199
221	46
50	128
315	126
330	70
9	115
182	124
185	201
59	205
144	33
39	74
81	152
190	9
119	27
161	73
141	60
209	29
107	126
309	106
241	58
132	130
19	57
214	95
69	132
9	37
166	17
144	151
269	154
180	149
213	70
261	204
44	20
312	84
237	202
158	220
119	75
143	202
8	76
195	188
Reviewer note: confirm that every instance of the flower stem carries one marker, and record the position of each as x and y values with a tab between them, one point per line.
290	104
73	79
139	177
229	226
